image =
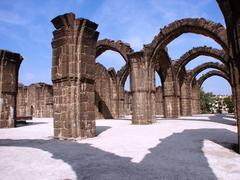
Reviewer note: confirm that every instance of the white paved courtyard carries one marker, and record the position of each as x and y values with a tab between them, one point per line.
198	147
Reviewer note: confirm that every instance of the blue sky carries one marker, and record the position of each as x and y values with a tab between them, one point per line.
25	27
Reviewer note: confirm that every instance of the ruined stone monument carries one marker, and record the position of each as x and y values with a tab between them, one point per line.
9	67
73	75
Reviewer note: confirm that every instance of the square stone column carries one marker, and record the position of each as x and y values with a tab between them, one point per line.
121	101
73	75
9	67
186	98
196	107
115	99
127	103
159	101
142	89
170	97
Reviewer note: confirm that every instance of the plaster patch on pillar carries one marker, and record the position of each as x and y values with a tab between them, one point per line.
1	104
10	119
169	107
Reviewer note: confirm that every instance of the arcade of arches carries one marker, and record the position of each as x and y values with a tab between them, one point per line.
84	90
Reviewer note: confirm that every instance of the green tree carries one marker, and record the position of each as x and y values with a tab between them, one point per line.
206	100
230	105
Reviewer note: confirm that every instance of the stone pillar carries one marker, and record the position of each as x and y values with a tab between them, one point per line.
159	101
73	75
121	101
114	100
127	103
234	102
9	66
237	102
170	98
196	107
186	98
142	89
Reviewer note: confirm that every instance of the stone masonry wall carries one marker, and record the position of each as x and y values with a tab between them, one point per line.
35	100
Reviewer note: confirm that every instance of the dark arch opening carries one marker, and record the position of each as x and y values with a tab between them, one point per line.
159	100
32	111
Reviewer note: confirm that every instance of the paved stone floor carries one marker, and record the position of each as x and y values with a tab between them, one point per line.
198	147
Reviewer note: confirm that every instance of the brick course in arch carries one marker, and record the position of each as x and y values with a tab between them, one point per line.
122	74
194	25
194	72
106	44
198	51
189	94
196	85
213	73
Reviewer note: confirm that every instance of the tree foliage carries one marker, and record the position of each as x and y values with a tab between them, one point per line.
206	101
229	102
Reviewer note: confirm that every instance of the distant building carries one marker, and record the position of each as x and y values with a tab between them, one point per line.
218	105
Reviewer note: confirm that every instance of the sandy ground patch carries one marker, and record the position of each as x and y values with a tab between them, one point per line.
197	147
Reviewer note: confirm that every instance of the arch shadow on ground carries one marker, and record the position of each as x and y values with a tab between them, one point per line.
179	156
217	118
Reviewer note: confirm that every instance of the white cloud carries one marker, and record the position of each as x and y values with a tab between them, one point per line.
12	18
29	76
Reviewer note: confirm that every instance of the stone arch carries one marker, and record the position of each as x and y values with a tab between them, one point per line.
123	95
103	93
198	51
213	73
193	73
189	25
196	86
113	74
190	90
101	69
118	46
163	65
122	74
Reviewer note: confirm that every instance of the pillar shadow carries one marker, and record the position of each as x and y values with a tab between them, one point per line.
24	123
179	156
101	129
216	118
102	107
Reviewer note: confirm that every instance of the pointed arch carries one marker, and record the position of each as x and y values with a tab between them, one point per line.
189	25
213	73
118	46
199	51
